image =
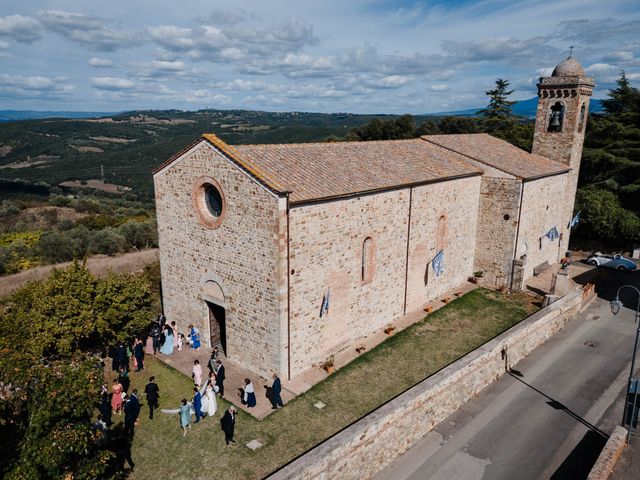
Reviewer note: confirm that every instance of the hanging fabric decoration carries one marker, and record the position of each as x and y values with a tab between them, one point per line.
438	263
325	303
575	220
552	234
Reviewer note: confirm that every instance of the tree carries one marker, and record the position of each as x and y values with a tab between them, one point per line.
499	107
624	99
51	374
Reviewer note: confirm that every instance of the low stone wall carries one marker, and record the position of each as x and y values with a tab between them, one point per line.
365	448
609	455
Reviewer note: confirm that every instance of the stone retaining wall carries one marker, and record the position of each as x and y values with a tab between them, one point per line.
375	441
609	455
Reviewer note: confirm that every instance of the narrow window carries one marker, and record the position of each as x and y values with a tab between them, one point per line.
582	113
367	260
441	239
556	117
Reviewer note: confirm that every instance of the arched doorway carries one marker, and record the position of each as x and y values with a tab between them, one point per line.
216	311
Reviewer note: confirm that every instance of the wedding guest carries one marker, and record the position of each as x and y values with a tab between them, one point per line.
220	377
228	423
276	389
156	333
138	353
196	373
185	416
195	337
249	394
197	404
131	412
175	334
116	396
167	346
148	346
180	341
152	392
124	380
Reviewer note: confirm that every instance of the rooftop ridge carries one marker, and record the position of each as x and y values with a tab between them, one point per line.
234	155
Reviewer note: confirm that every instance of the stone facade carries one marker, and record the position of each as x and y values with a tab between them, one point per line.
541	211
498	215
243	256
326	252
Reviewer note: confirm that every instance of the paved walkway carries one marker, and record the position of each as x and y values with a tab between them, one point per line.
234	378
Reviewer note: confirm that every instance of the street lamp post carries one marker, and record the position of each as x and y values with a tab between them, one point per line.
616	305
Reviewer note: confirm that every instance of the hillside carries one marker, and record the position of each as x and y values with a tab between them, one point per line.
127	146
523	108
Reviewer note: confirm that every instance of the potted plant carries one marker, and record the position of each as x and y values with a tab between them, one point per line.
389	329
328	364
428	309
360	348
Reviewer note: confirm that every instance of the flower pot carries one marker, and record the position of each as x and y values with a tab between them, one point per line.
329	369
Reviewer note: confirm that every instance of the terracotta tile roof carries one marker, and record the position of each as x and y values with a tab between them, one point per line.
313	171
499	154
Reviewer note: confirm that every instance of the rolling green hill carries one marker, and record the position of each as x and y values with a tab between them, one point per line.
128	146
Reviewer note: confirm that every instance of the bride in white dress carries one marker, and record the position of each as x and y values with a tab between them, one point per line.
209	402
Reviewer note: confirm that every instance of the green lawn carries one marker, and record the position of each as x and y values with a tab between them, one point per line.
160	451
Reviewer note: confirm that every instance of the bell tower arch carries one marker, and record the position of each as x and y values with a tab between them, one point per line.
563	106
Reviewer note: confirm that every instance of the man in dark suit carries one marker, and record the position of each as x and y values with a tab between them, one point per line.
138	352
228	423
131	412
122	360
153	393
220	377
276	389
197	404
155	333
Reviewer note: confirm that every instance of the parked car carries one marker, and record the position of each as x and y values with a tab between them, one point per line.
612	261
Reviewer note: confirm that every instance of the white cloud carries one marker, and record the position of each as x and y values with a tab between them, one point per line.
3	45
111	83
88	31
19	28
618	56
441	87
100	62
34	87
391	81
175	66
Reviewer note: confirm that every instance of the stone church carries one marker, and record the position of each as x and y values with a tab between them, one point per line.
285	254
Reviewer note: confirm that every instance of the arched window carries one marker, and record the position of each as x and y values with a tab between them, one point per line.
556	117
441	239
368	257
582	115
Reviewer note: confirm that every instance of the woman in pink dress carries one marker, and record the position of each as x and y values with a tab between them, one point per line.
148	346
197	373
116	398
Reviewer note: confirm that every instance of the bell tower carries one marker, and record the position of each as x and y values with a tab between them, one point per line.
561	118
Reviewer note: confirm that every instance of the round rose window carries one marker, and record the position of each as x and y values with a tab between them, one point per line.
208	201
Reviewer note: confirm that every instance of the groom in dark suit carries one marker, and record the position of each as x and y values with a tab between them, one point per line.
197	404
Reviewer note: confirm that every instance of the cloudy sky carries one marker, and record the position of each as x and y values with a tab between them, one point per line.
364	56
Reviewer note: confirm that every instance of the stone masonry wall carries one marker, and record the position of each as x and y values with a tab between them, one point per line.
457	201
496	236
326	252
242	255
542	208
375	441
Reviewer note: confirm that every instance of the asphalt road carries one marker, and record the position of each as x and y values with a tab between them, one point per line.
549	418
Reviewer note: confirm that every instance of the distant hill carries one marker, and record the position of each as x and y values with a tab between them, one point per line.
524	108
13	115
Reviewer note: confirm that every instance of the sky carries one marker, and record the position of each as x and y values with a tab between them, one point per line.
360	56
